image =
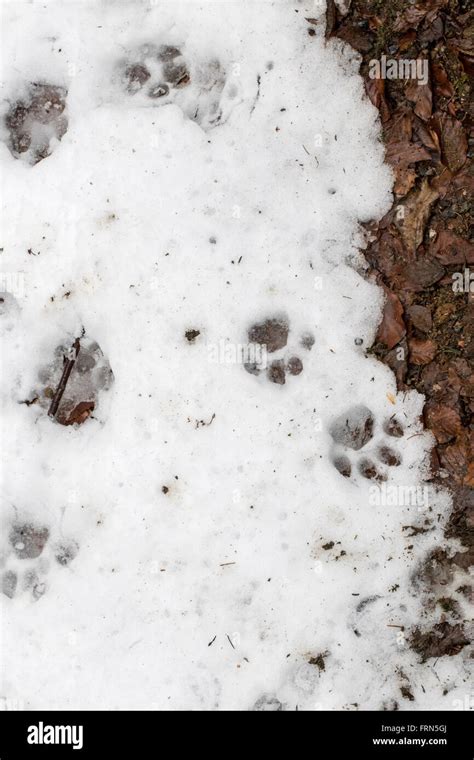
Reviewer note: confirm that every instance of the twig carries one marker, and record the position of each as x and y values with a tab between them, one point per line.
201	423
69	364
29	403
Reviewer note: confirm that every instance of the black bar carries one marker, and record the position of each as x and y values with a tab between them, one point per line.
142	734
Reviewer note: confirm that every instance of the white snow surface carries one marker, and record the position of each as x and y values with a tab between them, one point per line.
149	219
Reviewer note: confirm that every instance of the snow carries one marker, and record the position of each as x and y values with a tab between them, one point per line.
235	199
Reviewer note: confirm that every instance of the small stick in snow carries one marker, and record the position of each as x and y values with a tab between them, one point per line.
68	365
29	403
201	423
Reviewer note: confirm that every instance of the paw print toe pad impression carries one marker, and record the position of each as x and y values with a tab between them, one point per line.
351	432
272	334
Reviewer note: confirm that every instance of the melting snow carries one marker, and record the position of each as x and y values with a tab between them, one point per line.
214	534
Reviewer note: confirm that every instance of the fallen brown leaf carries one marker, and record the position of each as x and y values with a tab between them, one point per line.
443	86
449	248
358	38
441	384
443	639
406	40
416	210
433	30
375	89
461	521
78	415
421	317
392	327
422	351
400	153
409	18
453	142
465	43
331	18
454	459
385	251
469	477
464	559
417	275
421	96
444	312
397	361
443	421
428	137
442	182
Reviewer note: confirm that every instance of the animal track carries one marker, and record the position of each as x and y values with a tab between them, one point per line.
89	374
152	75
9	309
28	542
159	68
272	335
388	456
26	560
343	465
36	121
155	73
158	74
268	703
353	431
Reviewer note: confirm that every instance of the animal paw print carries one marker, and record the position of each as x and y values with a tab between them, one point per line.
271	335
353	431
156	68
36	122
27	559
268	703
158	74
70	385
9	310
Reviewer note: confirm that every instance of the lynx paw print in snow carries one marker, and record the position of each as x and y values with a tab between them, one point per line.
69	387
271	337
27	559
158	74
355	430
37	122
